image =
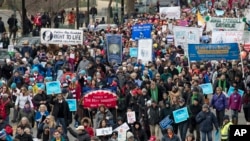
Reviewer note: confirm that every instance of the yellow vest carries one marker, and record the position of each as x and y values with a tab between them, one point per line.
224	130
35	89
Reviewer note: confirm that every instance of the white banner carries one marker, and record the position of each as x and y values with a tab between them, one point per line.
145	50
230	37
61	36
104	131
170	12
224	24
186	35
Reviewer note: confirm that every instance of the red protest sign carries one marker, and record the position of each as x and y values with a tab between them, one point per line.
96	98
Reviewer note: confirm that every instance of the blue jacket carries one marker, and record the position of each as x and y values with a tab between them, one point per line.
206	120
219	102
39	115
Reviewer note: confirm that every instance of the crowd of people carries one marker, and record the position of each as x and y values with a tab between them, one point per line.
152	90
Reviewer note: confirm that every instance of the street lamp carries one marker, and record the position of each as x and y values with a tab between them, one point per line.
77	14
88	10
23	15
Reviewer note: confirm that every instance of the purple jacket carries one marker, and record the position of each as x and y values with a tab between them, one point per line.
219	102
234	101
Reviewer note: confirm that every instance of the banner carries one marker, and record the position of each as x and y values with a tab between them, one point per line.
53	87
96	98
114	48
72	104
165	122
231	37
141	31
145	50
182	23
104	131
224	24
231	90
170	12
181	115
186	35
207	88
227	51
133	52
131	117
61	36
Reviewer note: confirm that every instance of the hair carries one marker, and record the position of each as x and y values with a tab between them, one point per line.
52	122
27	130
25	93
28	125
42	105
95	138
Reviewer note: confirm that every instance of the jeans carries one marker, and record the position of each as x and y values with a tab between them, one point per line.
183	127
7	119
220	115
234	113
206	134
197	128
62	122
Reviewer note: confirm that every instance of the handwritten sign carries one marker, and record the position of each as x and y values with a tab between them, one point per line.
180	115
131	117
53	87
207	88
104	131
122	130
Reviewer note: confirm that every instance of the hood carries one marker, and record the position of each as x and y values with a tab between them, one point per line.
138	124
88	119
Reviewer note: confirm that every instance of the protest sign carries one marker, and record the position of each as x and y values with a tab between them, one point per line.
104	131
224	24
131	117
61	36
53	87
207	88
186	35
219	12
166	122
122	131
96	98
229	37
1	44
114	48
141	31
170	12
145	50
231	91
72	104
181	115
228	51
133	52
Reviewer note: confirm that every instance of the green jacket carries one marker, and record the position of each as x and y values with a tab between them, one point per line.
54	139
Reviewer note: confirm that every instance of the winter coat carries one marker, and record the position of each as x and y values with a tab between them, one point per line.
206	120
139	134
100	116
66	112
234	102
24	137
167	138
7	71
219	102
80	137
195	110
154	115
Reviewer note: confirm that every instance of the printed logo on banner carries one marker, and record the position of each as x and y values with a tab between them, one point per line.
228	51
114	48
61	36
181	115
239	132
224	24
141	31
231	91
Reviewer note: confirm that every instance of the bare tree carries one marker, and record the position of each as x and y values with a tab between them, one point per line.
109	9
130	6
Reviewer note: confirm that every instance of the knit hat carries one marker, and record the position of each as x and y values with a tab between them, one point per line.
34	70
205	106
82	72
74	79
89	78
170	127
13	86
67	77
30	88
2	134
129	135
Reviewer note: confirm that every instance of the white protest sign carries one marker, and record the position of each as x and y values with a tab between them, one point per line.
224	24
131	117
230	37
186	35
104	131
10	48
170	12
122	130
1	44
61	36
145	50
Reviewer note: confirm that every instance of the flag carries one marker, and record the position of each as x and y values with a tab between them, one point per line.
201	21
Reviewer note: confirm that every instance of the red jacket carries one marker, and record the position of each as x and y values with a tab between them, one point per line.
90	131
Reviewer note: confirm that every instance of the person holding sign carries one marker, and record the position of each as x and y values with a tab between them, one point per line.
81	134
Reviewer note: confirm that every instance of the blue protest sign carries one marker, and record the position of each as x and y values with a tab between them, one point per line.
217	136
114	48
181	115
207	88
40	85
72	104
226	51
141	31
231	90
53	87
133	52
166	122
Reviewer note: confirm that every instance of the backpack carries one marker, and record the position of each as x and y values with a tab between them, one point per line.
3	113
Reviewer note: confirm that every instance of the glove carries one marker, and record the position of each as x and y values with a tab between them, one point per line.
107	118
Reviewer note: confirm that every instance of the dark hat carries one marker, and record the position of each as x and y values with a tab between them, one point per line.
119	118
226	117
195	89
196	99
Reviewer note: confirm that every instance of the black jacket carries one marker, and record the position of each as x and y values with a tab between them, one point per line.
66	112
24	137
41	97
139	134
194	112
81	137
7	71
2	27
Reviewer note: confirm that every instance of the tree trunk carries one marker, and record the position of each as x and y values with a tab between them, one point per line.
109	9
130	6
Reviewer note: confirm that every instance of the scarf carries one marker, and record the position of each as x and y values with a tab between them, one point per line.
193	97
154	94
223	86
